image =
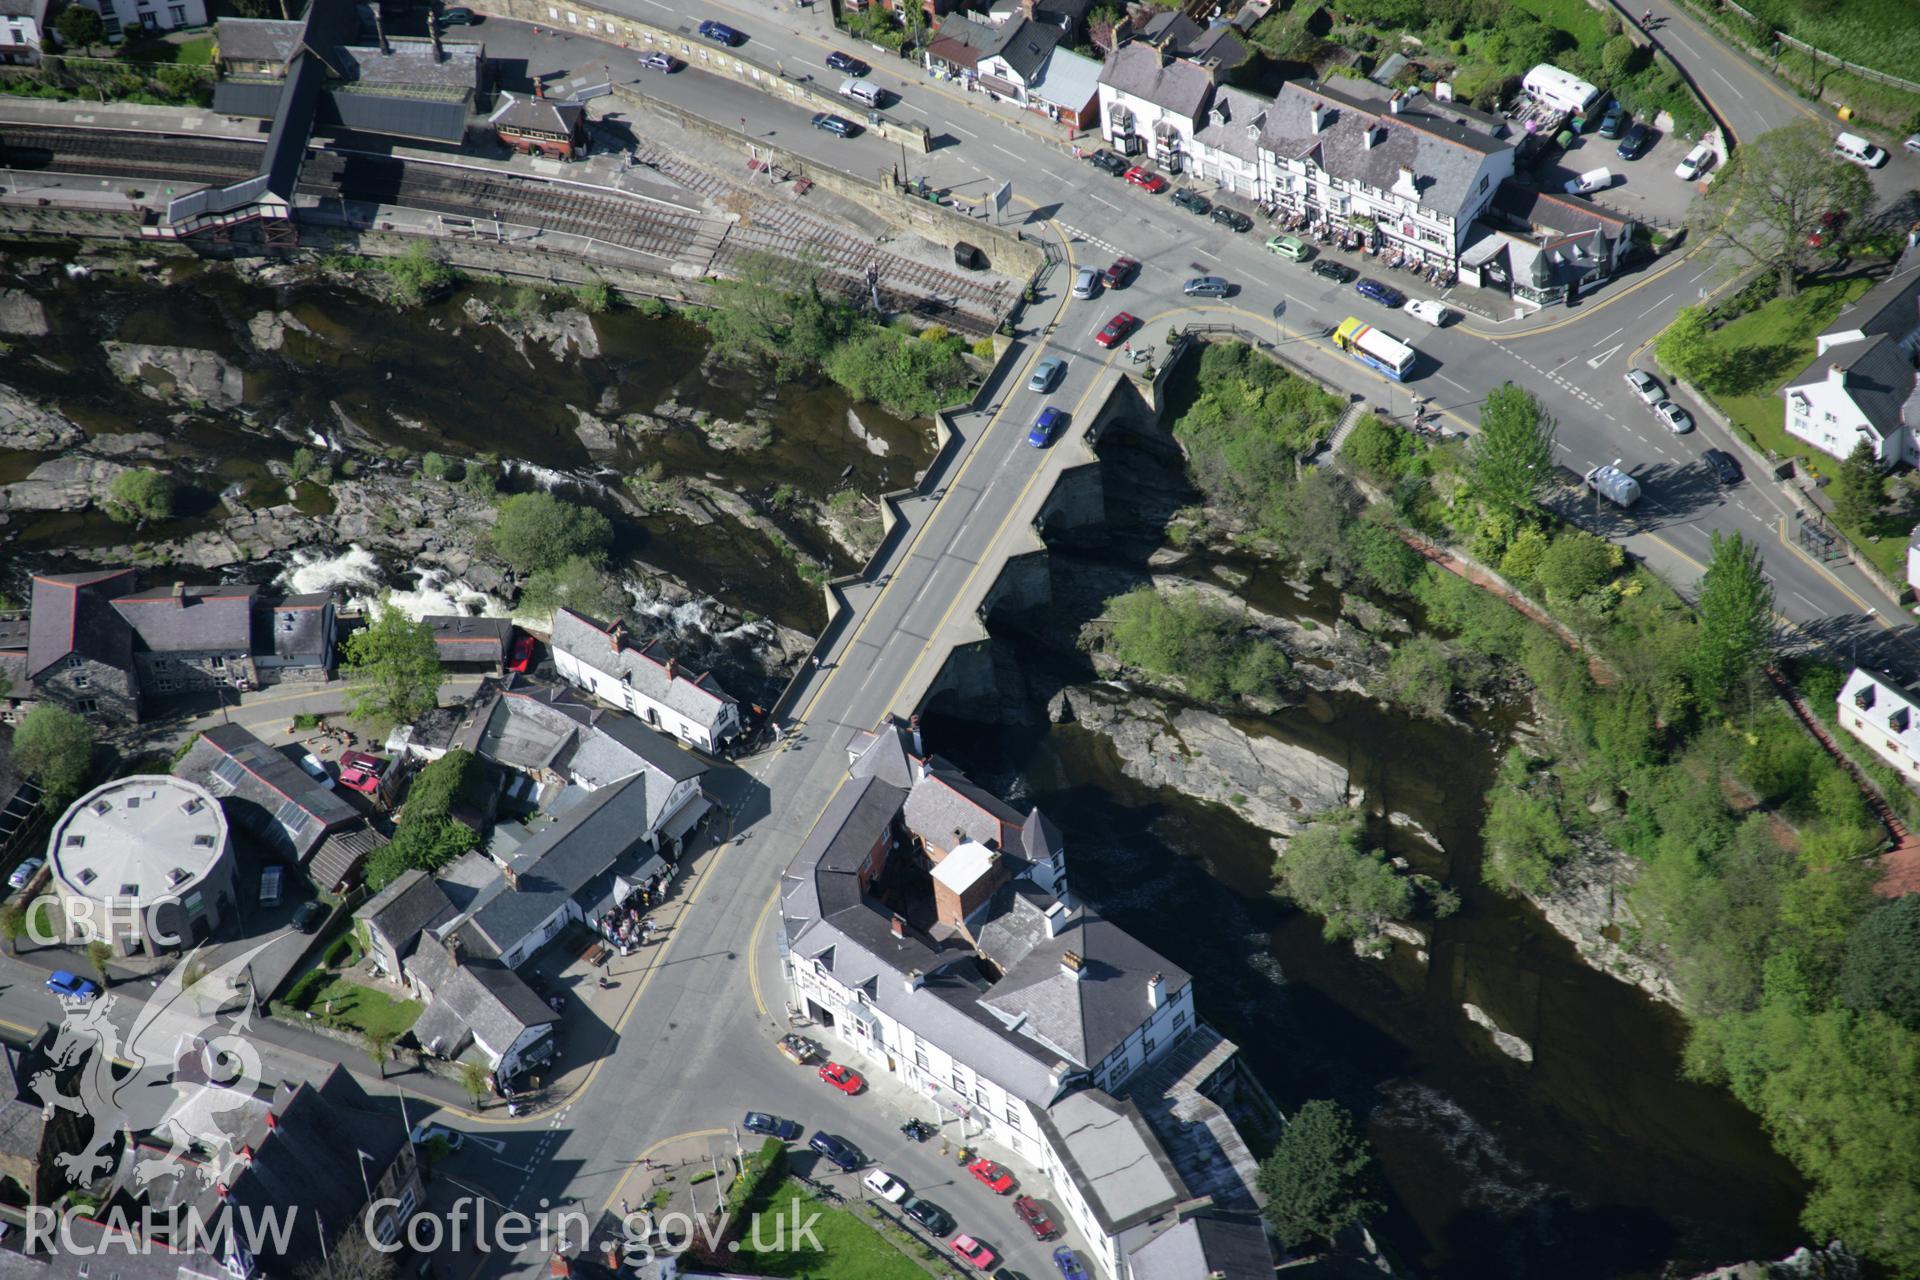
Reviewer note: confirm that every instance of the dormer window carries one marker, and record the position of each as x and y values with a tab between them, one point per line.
1899	720
1863	697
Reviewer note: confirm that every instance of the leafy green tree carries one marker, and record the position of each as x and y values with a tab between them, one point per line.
393	669
437	466
1577	563
909	376
1620	57
1523	556
1319	1180
1513	454
1881	969
378	1042
1379	448
1381	559
1689	348
1420	676
1859	489
13	924
1180	635
474	1079
1736	616
1314	513
418	844
538	531
99	955
54	747
1245	429
140	496
1772	197
1353	890
576	583
1523	835
80	27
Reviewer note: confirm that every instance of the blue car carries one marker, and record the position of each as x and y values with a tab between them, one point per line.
1384	294
1049	421
1070	1268
70	986
772	1126
720	33
837	1150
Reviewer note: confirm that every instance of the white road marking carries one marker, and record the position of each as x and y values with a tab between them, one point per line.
1606	355
1615	333
967	132
1456	386
1003	151
1103	200
1655	307
1203	253
1723	80
1810	604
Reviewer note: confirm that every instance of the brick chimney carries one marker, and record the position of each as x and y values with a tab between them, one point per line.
561	1267
899	925
613	635
180	593
673	668
540	91
512	878
1073	965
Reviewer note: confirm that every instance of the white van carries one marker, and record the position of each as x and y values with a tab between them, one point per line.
1851	146
862	92
1694	163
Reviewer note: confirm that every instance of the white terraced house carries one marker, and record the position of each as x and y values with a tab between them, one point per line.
1884	718
929	933
643	681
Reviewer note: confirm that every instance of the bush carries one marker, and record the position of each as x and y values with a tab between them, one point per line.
539	531
1246	423
417	275
1382	450
436	466
1324	870
455	779
1381	559
1881	970
912	377
1420	676
1575	564
1185	637
139	496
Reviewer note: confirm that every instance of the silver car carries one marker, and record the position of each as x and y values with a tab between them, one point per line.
1086	282
1677	420
1646	386
1207	287
1046	373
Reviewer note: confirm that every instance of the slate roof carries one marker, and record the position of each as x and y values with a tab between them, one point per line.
412	64
305	635
1113	1158
946	800
1217	1246
413	902
644	670
1233	123
458	638
1890	307
1880	380
1217	46
1028	46
258	39
198	618
264	791
1172	84
532	725
72	614
485	998
1553	211
961	41
540	115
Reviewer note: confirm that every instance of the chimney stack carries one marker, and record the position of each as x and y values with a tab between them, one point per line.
1319	117
613	632
1836	374
539	90
1375	133
273	1121
673	668
915	980
512	878
899	926
1394	104
1072	965
180	592
1156	985
561	1267
1056	919
1028	7
913	723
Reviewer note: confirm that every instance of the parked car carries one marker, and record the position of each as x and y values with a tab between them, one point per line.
799	1049
1028	1210
1830	223
928	1214
1646	386
886	1186
657	61
1070	1268
1589	182
1614	121
362	780
1338	272
1851	146
70	986
361	760
1635	143
1430	311
847	64
1049	421
845	1079
838	126
1086	282
460	16
1107	160
839	1151
25	872
1188	198
1007	1273
720	33
308	917
769	1125
1120	272
1384	294
1232	218
521	656
1116	331
310	764
1724	468
1694	163
1207	287
1913	144
1046	373
1290	247
1152	183
424	1132
974	1252
1677	420
995	1178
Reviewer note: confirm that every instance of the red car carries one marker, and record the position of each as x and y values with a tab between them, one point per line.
845	1080
992	1174
522	657
1029	1211
360	772
1120	272
1830	223
1116	331
1152	183
975	1252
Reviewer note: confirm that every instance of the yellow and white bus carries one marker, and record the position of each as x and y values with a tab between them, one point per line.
1371	347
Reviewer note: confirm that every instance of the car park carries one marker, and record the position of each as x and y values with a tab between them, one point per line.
1232	218
308	917
1724	468
1192	201
1290	247
886	1186
771	1126
1646	386
1028	1210
798	1049
975	1253
991	1175
838	1151
1086	282
1120	271
1677	420
1694	163
1116	331
1206	287
928	1214
1338	272
310	764
25	872
839	126
70	986
1430	311
845	1079
847	64
1046	373
424	1132
657	61
1635	142
1384	294
1102	158
1589	182
720	33
1614	121
1151	183
1049	421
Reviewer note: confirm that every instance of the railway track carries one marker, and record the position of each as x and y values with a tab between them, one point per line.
119	154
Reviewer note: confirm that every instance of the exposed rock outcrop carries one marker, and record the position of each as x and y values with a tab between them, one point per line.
21	314
61	484
29	426
1830	1263
1505	1041
183	373
1588	906
269	329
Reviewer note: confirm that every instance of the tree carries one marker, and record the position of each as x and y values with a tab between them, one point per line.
1319	1178
475	1080
1620	57
55	748
378	1042
1576	563
1736	616
80	27
393	669
1860	489
1773	195
1513	454
99	954
538	531
1420	676
437	466
1881	968
1324	870
139	496
576	583
13	925
1689	349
